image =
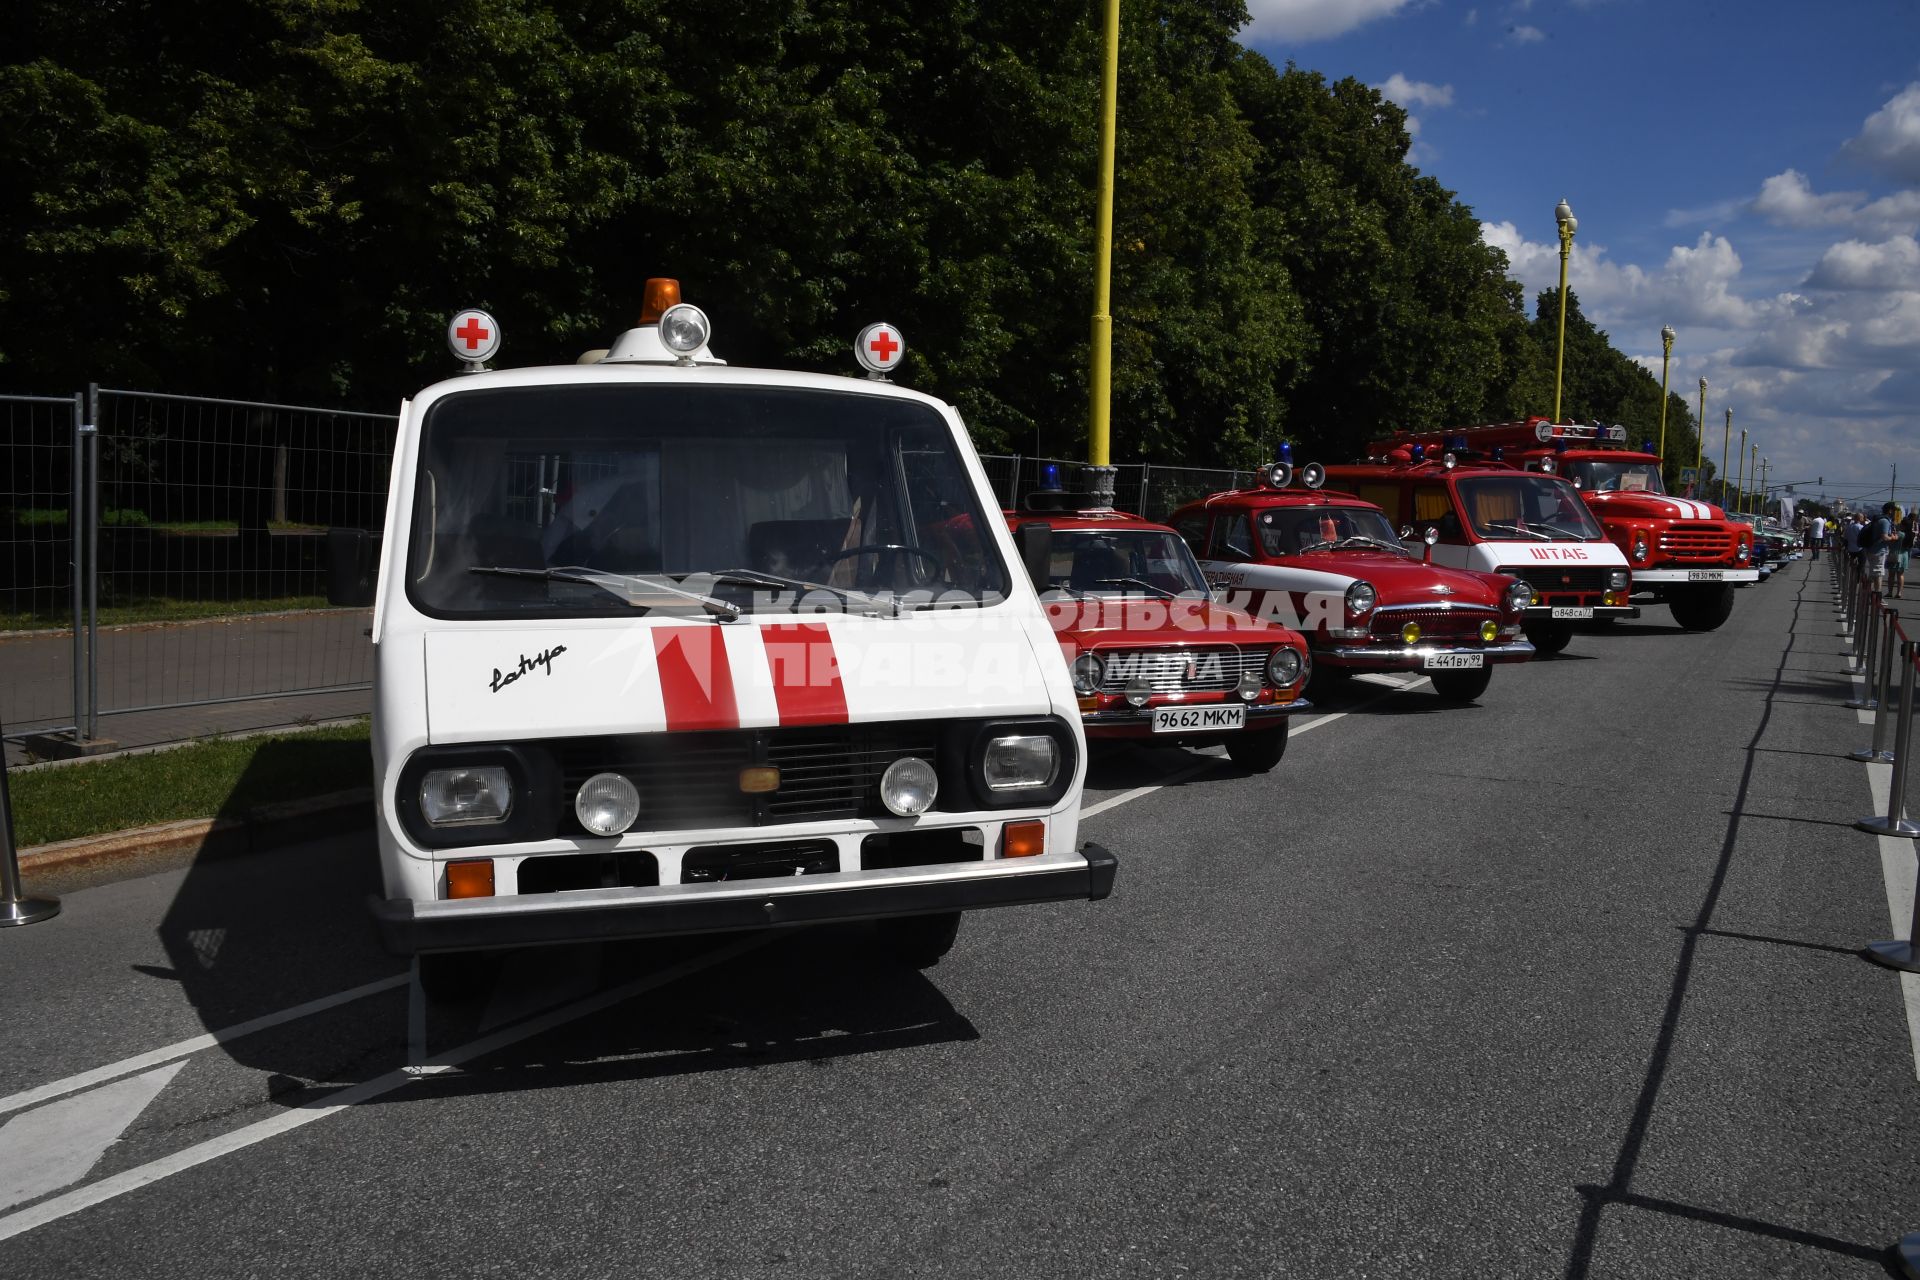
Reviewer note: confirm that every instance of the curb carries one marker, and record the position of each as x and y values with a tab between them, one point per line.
258	830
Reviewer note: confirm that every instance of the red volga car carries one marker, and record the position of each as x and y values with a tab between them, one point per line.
1153	656
1333	566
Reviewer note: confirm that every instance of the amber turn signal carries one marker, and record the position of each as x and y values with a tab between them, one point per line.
472	878
759	779
1023	840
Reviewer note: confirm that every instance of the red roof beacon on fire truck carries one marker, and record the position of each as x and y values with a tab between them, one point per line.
1494	517
1684	553
1154	659
664	646
1331	565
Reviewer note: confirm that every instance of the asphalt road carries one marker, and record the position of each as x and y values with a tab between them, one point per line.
1564	984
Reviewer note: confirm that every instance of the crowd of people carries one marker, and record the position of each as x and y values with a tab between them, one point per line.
1882	545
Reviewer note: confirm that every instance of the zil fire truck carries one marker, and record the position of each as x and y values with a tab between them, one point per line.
1682	552
1332	566
668	647
1494	517
1155	660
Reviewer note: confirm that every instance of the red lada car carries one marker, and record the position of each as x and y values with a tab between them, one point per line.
1332	566
1153	657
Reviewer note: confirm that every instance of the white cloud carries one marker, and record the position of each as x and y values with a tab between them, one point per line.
1525	35
1301	21
1415	93
1889	141
1853	264
1786	200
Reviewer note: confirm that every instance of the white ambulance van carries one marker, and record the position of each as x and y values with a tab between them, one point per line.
667	647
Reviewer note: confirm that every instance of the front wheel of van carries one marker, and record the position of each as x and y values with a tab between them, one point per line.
919	941
1548	638
1258	751
456	977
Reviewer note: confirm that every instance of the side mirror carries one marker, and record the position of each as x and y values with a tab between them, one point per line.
1406	533
1431	536
1035	541
353	562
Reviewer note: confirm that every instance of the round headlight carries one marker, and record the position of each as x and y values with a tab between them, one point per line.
1410	633
1742	552
1546	465
1284	666
909	786
1519	596
1489	630
1617	580
1360	598
684	327
1639	547
1087	673
606	804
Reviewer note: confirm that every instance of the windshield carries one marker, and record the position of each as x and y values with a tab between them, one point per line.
1123	562
1607	477
1526	507
712	500
1291	530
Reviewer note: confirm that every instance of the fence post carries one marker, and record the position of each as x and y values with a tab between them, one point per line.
1893	824
92	429
15	908
1146	488
1878	702
77	559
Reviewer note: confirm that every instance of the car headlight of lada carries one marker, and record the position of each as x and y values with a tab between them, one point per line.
1519	597
466	797
1088	671
1361	598
1285	666
1020	762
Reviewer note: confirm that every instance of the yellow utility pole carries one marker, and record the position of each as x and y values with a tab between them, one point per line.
1753	470
1102	362
1700	438
1568	224
1666	357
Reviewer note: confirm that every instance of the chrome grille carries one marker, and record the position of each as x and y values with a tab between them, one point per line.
1462	623
1192	669
1699	540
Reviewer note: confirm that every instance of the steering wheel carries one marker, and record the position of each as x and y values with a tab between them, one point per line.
896	549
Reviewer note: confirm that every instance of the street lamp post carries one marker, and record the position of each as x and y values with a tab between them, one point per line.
1766	470
1101	362
1700	435
1666	356
1726	434
1753	468
1740	483
1568	224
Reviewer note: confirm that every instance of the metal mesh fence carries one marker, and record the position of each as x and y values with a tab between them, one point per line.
37	604
212	561
1147	489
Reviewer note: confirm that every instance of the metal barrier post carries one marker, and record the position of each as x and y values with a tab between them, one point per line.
77	558
1878	703
16	908
92	429
1893	824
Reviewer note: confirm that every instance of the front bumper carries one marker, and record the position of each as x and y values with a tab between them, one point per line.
1128	722
1401	657
1545	612
598	915
1644	578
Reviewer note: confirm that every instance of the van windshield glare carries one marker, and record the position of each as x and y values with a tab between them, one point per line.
530	500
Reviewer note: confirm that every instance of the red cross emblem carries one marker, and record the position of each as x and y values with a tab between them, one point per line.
883	346
879	347
472	333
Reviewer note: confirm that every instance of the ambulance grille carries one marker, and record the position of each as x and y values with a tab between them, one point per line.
692	780
1559	579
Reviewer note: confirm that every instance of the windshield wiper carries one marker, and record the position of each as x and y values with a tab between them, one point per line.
1162	592
1362	540
614	584
759	578
1517	531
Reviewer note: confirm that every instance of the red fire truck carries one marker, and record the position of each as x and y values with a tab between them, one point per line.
1154	659
1684	553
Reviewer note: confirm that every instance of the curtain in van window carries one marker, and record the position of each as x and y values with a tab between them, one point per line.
714	491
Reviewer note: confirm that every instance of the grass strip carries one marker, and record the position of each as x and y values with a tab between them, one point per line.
219	778
160	609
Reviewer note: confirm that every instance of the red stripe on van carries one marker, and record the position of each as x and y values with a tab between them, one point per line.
696	682
806	673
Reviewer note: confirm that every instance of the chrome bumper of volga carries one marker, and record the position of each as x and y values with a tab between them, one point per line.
597	915
1416	655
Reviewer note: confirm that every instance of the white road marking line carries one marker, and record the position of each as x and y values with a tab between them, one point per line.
181	1049
1897	871
119	1184
1293	731
55	1146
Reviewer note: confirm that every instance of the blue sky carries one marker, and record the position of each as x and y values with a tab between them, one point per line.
1746	172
